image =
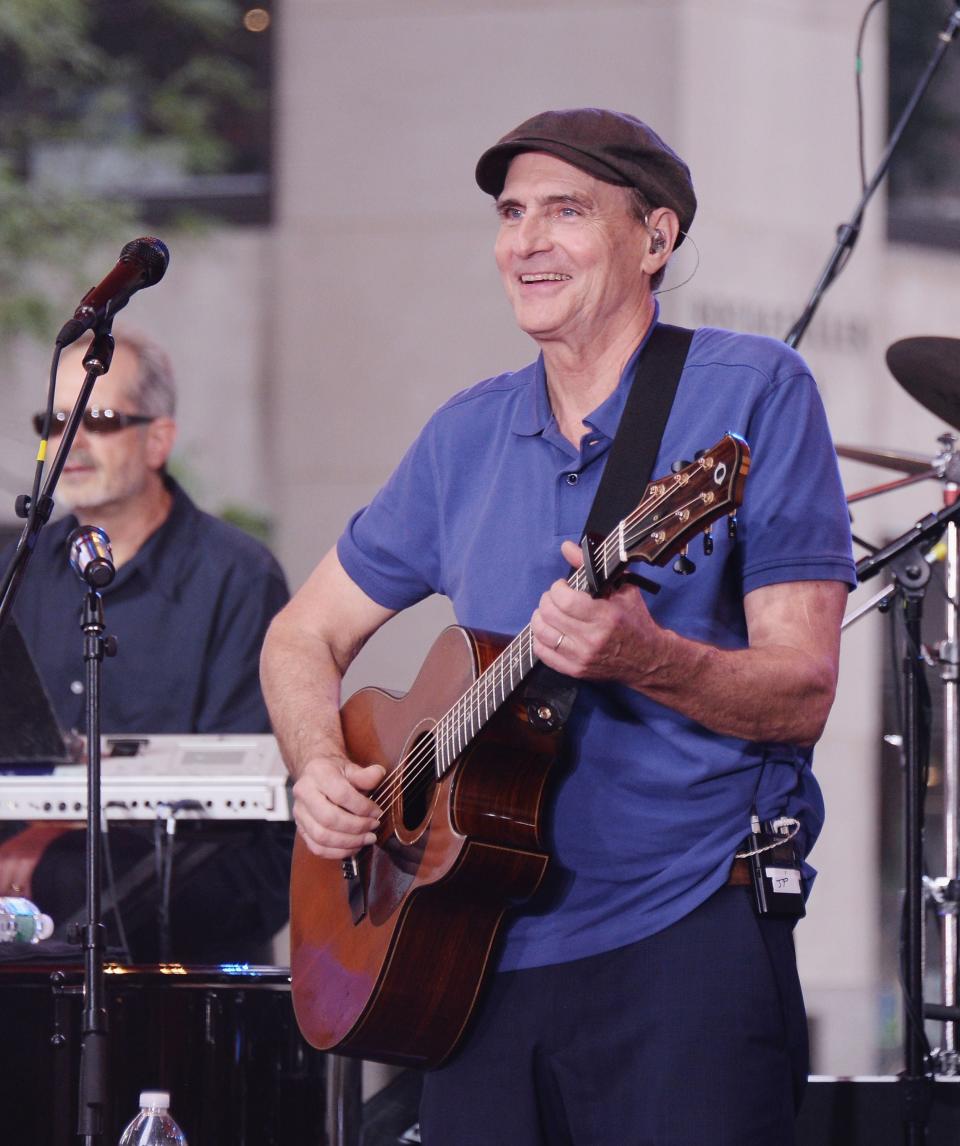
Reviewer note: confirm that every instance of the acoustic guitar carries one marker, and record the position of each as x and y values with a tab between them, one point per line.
389	949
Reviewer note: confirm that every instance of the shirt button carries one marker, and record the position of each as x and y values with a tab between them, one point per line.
572	479
76	687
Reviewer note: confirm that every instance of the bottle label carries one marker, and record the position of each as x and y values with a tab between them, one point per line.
22	921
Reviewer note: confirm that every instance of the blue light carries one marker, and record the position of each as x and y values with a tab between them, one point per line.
235	968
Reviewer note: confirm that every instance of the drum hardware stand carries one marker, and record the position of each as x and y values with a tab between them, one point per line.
848	233
944	891
906	558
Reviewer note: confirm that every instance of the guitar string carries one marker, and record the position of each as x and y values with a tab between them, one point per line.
448	729
409	770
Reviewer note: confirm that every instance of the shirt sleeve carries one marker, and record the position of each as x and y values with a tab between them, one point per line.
393	548
794	523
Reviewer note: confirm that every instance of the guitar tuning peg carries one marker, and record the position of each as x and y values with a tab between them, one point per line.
708	541
732	526
679	465
683	565
698	455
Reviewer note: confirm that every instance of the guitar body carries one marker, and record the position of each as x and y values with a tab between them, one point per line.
388	965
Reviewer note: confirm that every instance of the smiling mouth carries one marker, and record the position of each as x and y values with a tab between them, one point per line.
546	277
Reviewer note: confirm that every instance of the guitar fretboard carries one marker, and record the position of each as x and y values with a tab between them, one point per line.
458	727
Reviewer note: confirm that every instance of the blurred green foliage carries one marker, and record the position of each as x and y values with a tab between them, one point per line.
104	75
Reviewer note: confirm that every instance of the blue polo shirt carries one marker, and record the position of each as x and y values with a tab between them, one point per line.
649	806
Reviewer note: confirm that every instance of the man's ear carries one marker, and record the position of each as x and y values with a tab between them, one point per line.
663	228
161	434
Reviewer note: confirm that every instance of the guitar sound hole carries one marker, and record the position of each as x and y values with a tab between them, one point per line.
419	781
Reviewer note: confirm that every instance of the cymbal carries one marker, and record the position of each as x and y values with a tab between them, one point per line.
928	369
901	462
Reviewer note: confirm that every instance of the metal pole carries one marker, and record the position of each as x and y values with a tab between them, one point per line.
344	1101
951	790
913	573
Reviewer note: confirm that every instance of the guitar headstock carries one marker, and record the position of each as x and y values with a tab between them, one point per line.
677	507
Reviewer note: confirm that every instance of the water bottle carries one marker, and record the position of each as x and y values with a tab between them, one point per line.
153	1126
22	921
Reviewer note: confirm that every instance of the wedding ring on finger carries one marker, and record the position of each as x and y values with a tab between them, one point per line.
559	642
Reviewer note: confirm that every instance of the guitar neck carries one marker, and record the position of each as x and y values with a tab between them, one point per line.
458	727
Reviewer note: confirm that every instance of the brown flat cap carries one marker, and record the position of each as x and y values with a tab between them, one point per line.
610	145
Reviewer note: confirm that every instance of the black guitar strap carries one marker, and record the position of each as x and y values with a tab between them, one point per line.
548	695
629	467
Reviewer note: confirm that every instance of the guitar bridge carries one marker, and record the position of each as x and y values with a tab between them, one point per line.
356	895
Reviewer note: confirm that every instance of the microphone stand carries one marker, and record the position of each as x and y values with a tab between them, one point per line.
848	233
911	571
92	1098
37	508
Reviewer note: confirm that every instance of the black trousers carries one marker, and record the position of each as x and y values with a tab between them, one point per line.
695	1036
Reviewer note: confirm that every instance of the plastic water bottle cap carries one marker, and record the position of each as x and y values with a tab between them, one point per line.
159	1098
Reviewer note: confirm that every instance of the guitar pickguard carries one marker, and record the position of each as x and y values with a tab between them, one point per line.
392	869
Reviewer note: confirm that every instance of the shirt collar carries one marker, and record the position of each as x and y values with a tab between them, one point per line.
534	413
168	553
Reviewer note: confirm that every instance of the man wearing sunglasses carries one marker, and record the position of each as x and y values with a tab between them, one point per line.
114	476
189	606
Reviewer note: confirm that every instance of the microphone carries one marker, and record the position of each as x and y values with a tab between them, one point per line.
90	556
142	263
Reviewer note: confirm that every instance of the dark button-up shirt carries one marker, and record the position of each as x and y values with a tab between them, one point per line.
189	612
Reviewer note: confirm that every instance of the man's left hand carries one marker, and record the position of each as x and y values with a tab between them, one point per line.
605	638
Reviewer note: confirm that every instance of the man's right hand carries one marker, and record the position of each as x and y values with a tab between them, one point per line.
20	854
332	814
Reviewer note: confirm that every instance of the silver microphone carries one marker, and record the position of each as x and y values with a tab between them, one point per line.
90	556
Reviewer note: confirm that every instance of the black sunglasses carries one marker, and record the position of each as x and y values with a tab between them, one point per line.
95	421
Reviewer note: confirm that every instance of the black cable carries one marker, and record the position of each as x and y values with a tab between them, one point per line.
165	831
917	1020
45	434
112	887
158	866
896	660
32	510
858	70
166	885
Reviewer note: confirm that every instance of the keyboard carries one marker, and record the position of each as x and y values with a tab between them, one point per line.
229	777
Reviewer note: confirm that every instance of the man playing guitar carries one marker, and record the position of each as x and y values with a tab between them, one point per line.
646	993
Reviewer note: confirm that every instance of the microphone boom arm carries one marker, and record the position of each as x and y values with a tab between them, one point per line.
848	233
